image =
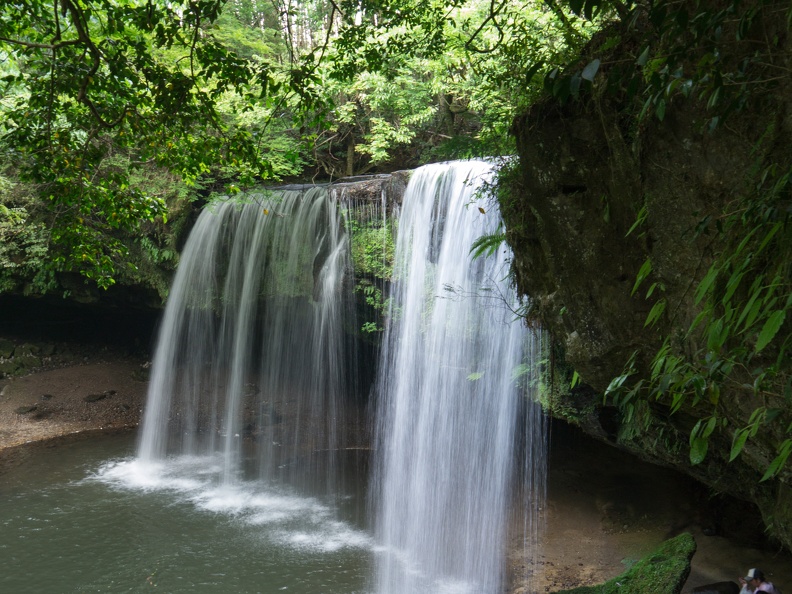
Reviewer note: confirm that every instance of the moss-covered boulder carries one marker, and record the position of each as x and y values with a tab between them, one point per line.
8	368
6	348
664	571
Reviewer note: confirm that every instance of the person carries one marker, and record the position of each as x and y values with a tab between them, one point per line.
755	581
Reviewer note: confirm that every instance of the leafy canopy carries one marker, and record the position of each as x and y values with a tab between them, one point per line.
243	90
87	82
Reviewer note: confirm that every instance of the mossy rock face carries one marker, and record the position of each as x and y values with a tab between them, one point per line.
664	571
8	368
26	362
6	348
27	350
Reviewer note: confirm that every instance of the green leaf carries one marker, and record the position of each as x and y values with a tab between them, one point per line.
574	85
754	293
590	71
486	245
740	437
714	392
660	109
713	100
655	313
698	450
639	219
706	283
731	286
709	427
532	71
643	58
716	337
753	314
769	236
779	461
770	329
699	439
475	376
645	270
615	385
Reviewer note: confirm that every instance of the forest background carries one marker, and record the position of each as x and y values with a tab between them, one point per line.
116	112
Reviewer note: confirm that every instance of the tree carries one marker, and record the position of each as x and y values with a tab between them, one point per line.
238	91
98	90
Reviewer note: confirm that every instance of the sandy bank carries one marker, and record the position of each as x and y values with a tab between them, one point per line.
88	397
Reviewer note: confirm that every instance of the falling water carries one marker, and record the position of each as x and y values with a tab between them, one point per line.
251	360
450	417
253	366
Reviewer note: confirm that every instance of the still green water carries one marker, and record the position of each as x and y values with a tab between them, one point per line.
87	517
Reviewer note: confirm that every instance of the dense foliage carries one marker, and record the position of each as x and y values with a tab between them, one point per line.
104	100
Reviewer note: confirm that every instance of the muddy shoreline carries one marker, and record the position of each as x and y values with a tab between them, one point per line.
52	404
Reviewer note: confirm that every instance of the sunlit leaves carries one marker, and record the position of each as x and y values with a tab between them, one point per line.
770	329
778	462
119	79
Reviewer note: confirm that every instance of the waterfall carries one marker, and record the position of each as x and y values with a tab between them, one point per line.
450	418
253	368
251	359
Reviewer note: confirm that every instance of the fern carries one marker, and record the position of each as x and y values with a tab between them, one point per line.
486	245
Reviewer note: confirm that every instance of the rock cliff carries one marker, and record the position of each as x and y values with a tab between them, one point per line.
590	169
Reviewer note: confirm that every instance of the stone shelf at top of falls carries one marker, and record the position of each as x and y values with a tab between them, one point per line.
364	188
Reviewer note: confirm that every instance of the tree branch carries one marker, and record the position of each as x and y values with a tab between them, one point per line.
48	46
81	25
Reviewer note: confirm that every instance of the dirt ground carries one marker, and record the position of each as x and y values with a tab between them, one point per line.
604	508
100	393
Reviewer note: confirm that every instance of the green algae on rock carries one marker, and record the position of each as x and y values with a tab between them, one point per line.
663	571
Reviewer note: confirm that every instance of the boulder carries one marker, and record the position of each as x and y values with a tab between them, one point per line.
6	348
664	571
26	362
8	368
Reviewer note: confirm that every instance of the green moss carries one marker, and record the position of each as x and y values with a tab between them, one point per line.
560	391
664	571
372	249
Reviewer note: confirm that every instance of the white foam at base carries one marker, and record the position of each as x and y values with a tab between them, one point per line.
288	519
330	537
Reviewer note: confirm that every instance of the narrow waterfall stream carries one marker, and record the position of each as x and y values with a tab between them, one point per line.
449	413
